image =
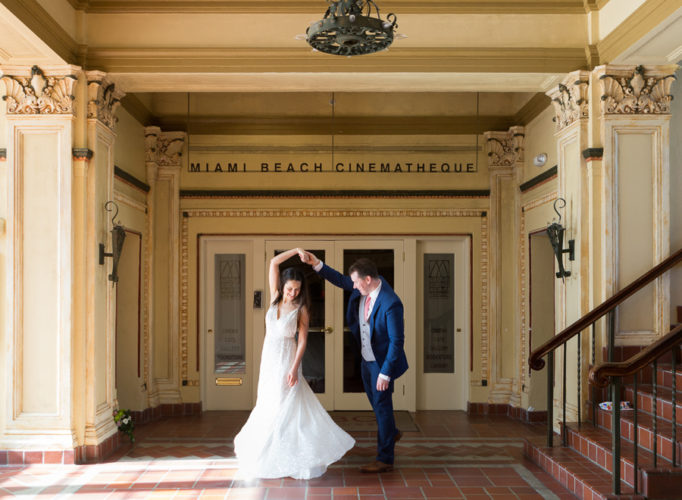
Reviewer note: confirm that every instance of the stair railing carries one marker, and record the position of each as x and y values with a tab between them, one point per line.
606	308
614	372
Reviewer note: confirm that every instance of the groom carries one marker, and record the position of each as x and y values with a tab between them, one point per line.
375	318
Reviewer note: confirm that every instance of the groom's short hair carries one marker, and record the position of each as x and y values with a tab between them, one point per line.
364	267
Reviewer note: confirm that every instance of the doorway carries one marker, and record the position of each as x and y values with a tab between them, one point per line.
444	321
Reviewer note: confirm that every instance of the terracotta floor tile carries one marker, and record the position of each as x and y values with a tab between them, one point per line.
452	455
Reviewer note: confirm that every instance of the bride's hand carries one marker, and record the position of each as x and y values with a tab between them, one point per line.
292	378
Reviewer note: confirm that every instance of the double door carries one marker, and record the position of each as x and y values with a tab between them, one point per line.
233	302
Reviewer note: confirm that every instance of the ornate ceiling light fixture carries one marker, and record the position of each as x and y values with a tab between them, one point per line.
349	28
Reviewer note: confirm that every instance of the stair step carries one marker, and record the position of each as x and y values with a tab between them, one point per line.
576	473
595	444
664	407
664	377
645	425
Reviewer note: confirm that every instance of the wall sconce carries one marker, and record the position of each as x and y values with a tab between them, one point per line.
118	236
555	231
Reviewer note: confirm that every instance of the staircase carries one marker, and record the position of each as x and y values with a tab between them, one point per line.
641	459
584	466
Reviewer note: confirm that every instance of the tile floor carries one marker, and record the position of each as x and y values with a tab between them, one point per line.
451	456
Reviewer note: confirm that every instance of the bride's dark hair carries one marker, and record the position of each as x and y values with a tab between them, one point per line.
293	274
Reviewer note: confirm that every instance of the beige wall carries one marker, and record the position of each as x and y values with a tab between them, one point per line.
129	147
540	139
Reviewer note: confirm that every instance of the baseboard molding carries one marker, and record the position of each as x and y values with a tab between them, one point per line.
165	410
507	410
99	452
79	455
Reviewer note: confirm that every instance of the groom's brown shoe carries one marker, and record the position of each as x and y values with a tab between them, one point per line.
398	436
376	467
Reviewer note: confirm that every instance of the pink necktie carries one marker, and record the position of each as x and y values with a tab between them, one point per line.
367	302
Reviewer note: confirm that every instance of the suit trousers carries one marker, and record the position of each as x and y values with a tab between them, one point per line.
382	404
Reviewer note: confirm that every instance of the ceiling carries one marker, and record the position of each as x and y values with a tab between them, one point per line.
244	64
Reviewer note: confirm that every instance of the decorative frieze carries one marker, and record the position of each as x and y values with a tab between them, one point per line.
151	135
570	99
629	90
103	98
505	148
39	94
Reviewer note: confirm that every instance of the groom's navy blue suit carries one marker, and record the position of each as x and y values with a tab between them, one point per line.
387	337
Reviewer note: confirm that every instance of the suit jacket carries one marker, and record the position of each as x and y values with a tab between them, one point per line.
387	326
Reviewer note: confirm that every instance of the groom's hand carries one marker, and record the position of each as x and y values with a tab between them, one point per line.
307	257
382	384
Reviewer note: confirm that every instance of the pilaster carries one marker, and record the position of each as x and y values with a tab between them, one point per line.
164	161
571	100
505	164
100	306
635	131
37	317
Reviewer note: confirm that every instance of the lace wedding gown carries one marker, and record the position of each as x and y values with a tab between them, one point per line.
288	433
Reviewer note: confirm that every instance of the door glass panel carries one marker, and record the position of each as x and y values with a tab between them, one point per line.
230	336
439	313
384	260
314	357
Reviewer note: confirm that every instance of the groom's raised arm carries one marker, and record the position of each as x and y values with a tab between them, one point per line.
328	273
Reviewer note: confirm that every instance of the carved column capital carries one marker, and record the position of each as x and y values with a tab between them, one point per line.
504	149
169	148
570	99
103	98
37	92
151	135
636	90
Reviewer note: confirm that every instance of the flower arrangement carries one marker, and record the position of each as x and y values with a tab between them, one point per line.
124	422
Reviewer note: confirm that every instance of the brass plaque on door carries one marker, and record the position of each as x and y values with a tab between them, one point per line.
228	381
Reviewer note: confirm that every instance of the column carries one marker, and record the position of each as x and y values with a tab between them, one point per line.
505	164
635	195
38	262
164	161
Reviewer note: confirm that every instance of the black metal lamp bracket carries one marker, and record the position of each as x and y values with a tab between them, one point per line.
556	231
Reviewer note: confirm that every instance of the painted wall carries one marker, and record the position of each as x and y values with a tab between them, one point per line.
540	139
129	147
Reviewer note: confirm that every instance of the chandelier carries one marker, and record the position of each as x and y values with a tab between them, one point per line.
349	28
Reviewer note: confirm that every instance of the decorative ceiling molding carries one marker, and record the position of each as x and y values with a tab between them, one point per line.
310	6
138	110
353	125
37	19
635	27
272	59
536	105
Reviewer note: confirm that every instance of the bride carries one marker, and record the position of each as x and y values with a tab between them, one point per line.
288	432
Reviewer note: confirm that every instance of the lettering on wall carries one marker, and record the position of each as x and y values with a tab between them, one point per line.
355	167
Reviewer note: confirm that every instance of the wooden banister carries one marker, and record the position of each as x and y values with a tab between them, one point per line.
535	360
599	375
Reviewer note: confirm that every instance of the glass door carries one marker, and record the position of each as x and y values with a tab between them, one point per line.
226	325
318	360
388	256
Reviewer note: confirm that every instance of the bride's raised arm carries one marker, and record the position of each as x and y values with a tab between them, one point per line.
273	274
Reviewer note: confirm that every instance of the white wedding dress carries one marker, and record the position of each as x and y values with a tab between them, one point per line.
289	433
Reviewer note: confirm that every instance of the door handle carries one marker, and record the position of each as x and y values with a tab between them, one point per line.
329	330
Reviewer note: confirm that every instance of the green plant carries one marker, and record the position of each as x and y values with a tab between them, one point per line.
124	422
